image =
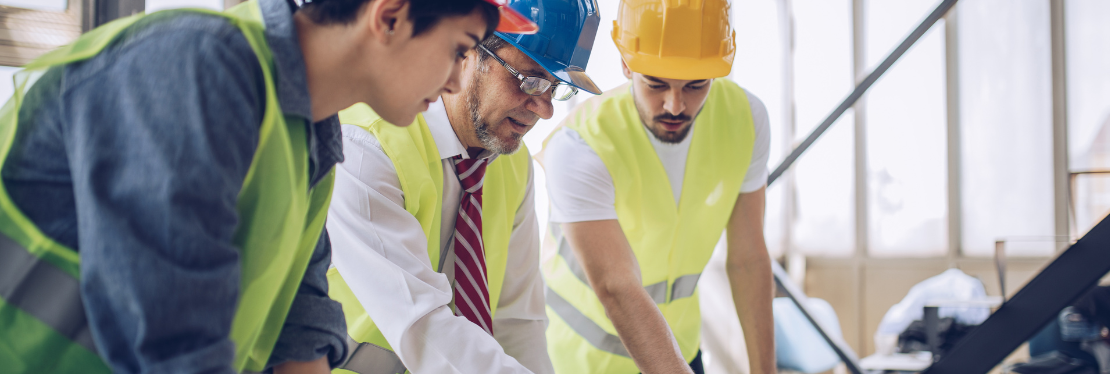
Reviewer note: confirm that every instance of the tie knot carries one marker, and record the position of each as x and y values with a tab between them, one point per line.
471	172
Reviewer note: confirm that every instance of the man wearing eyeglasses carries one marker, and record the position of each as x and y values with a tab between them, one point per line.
433	226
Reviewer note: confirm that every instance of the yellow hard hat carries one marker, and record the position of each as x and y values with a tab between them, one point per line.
676	39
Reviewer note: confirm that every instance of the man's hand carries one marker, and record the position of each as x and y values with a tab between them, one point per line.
749	274
320	366
614	274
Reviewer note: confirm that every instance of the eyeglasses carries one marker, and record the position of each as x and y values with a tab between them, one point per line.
536	86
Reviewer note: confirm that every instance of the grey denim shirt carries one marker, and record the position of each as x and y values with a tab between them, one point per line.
135	158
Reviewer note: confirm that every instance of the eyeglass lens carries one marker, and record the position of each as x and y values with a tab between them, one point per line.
564	92
536	86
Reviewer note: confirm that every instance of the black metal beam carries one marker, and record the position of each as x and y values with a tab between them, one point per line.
862	88
1063	281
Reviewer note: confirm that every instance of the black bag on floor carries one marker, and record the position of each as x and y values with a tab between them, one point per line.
950	332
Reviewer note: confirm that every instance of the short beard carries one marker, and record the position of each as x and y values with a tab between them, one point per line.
482	128
670	137
663	135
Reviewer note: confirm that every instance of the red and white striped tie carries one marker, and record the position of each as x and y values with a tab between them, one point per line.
471	288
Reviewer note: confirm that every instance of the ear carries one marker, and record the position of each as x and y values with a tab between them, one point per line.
626	70
382	20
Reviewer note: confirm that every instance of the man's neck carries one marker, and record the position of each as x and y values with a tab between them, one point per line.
330	89
459	117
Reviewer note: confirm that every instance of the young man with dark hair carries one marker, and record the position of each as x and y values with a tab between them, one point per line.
166	179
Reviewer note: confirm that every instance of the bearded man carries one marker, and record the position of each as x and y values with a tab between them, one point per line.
434	230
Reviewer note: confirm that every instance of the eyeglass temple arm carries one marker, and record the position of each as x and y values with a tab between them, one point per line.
515	73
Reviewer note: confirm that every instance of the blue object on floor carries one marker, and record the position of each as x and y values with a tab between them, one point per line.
798	345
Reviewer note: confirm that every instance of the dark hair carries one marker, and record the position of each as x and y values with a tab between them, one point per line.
423	13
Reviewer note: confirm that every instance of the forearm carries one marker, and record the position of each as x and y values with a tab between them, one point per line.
644	331
752	291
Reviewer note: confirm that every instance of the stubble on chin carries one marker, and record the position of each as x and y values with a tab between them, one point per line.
482	128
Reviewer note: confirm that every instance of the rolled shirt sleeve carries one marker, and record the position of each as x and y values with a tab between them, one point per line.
315	326
381	252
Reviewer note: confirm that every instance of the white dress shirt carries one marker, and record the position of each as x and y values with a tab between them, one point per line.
382	254
581	188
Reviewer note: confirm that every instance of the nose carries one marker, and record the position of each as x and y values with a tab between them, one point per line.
541	105
454	80
673	101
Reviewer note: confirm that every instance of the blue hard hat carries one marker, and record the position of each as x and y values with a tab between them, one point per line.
563	43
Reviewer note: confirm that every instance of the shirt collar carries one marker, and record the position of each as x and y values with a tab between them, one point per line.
447	142
289	66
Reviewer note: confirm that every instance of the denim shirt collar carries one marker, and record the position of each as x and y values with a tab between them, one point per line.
281	35
325	138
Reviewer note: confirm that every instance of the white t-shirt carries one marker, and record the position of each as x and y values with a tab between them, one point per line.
581	188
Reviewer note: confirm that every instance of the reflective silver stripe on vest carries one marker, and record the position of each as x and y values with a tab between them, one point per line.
585	327
44	291
684	286
366	358
568	254
658	292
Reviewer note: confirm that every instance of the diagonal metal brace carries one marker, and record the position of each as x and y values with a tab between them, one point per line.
847	356
862	88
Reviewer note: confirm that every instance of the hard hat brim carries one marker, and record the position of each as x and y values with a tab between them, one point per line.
512	21
572	75
578	78
678	68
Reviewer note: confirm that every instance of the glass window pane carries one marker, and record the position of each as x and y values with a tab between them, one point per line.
47	5
1006	127
758	68
824	221
1088	34
906	135
156	5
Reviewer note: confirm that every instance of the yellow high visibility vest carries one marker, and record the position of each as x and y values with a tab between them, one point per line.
672	243
280	224
420	170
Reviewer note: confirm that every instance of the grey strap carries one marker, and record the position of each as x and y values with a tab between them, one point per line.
584	326
44	291
568	254
658	292
366	358
683	287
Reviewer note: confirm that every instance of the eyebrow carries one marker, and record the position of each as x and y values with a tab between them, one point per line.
539	73
657	80
477	40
